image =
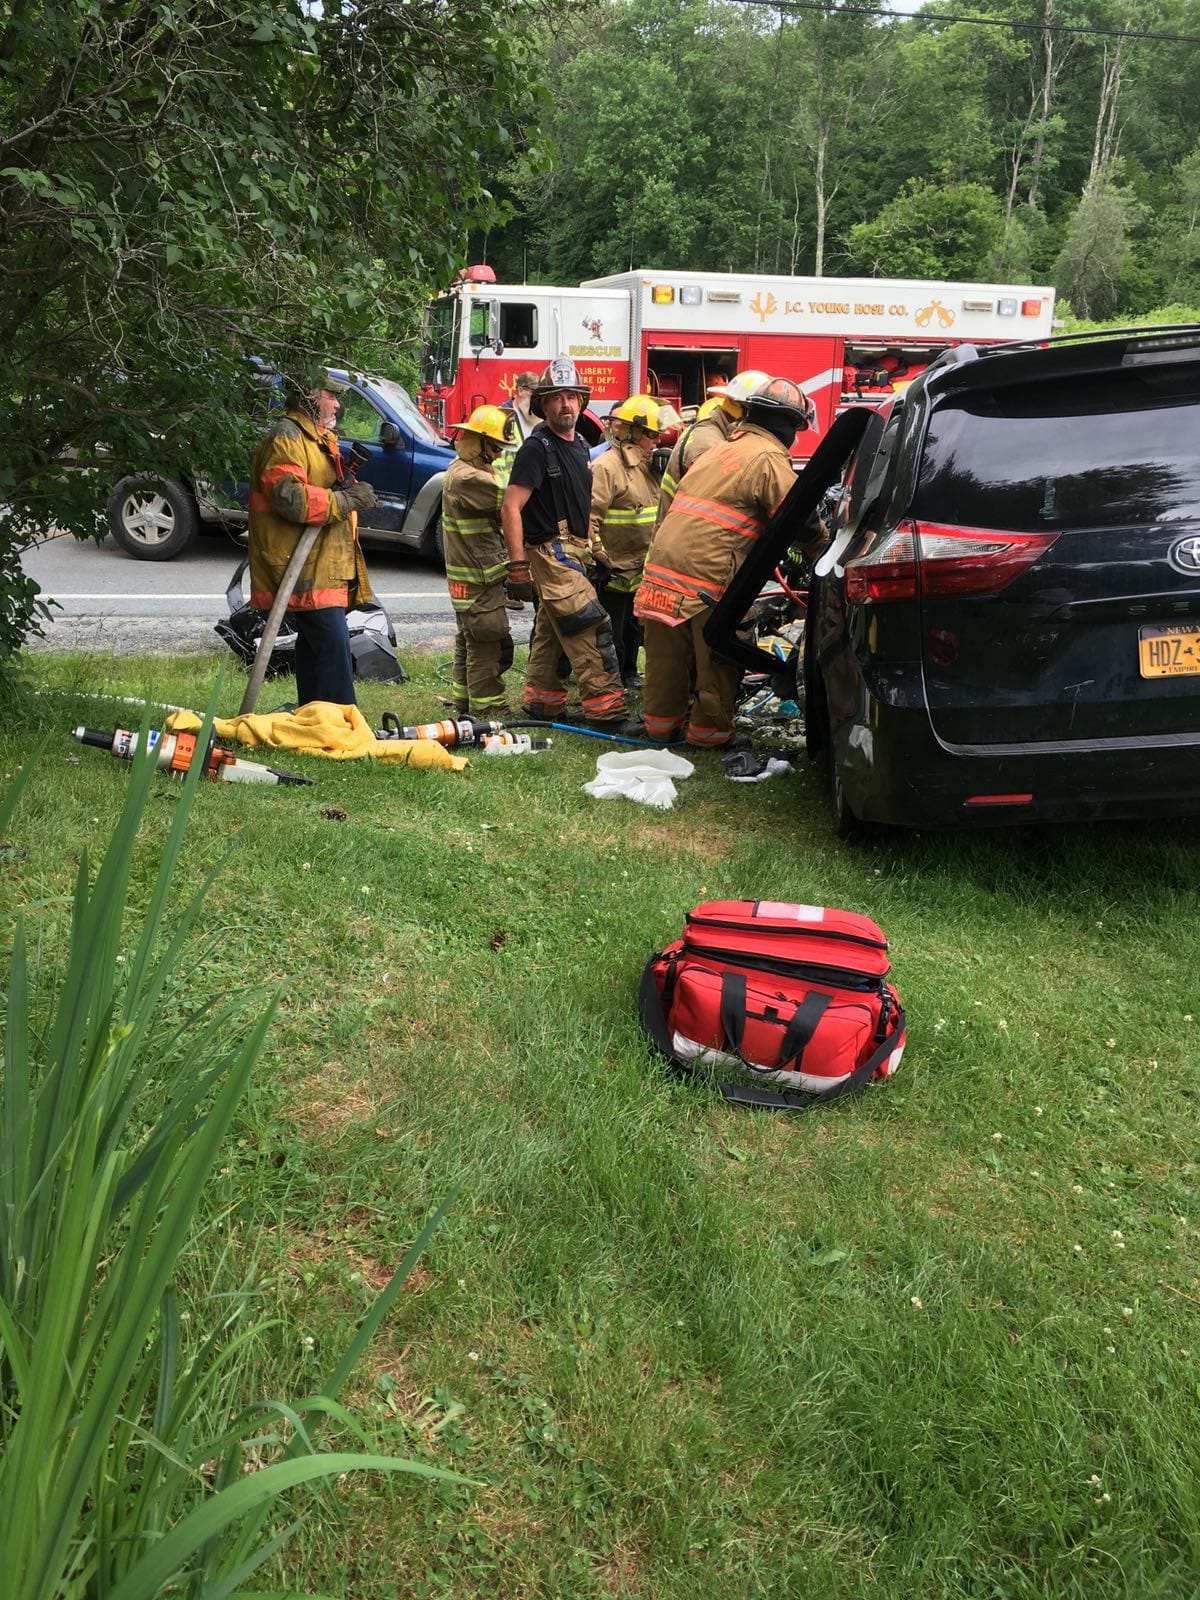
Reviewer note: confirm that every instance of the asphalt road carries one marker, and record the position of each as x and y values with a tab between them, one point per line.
107	601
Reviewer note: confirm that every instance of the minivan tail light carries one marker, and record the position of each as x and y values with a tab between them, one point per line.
889	572
956	560
951	561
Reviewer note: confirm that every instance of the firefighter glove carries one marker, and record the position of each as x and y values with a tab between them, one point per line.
518	585
358	497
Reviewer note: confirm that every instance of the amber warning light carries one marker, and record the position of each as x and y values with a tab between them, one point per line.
662	294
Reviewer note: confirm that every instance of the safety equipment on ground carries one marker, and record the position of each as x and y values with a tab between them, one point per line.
518	585
174	752
646	776
449	732
558	377
640	414
493	422
372	637
782	397
512	744
359	497
794	996
739	388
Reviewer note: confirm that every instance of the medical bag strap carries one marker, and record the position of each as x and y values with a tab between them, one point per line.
554	472
654	1022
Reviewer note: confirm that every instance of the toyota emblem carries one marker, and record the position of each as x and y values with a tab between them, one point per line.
1184	555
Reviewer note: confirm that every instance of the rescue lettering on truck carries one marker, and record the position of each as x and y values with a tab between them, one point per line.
674	333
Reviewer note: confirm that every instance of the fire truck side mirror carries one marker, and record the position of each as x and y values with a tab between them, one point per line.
498	347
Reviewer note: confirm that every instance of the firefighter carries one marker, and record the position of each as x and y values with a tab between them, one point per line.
545	517
722	504
523	386
477	563
297	478
624	496
715	421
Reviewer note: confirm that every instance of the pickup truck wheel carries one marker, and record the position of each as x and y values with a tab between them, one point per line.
152	519
432	548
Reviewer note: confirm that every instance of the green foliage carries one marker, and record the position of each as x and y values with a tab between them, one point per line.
676	1345
185	186
132	1460
930	231
1095	251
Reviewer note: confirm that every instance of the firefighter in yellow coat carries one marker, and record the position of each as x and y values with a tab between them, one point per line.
624	497
715	421
296	479
477	561
721	506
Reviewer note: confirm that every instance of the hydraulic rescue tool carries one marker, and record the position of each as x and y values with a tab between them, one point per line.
468	732
173	752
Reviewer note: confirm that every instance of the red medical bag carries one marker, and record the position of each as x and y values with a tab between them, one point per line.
788	995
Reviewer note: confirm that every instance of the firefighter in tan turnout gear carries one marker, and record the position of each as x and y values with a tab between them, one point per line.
721	506
715	421
624	497
545	516
477	562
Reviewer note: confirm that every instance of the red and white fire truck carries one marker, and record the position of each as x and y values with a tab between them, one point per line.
671	334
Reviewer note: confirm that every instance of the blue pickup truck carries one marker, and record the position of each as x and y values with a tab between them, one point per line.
156	519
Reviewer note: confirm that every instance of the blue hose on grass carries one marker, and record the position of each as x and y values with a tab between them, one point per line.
596	733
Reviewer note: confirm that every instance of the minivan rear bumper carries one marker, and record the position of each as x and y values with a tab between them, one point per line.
895	770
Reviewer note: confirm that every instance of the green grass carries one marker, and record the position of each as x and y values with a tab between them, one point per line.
942	1340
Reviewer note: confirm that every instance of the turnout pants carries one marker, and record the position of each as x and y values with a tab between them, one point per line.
483	653
571	622
687	687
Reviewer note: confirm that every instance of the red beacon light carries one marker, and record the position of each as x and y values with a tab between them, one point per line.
479	273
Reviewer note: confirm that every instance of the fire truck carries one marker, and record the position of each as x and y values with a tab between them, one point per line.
671	334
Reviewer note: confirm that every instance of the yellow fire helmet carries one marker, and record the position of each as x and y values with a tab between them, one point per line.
493	422
638	413
734	394
709	406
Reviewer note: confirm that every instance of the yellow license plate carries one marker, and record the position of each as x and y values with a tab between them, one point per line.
1169	650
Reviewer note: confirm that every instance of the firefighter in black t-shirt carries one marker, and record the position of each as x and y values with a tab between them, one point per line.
544	517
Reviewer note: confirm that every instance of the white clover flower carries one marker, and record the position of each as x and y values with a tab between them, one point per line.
472	1355
1111	1043
1117	1234
1002	1023
1111	1348
996	1138
1037	1111
1094	1480
1076	1188
915	1302
1078	1249
1126	1311
305	866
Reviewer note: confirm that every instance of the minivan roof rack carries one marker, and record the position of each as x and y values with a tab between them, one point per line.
1190	330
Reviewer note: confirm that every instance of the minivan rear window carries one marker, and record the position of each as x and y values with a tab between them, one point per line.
1108	450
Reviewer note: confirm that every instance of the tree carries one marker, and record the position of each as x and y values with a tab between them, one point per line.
183	185
1095	251
931	231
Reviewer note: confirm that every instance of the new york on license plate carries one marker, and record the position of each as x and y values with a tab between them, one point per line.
1169	650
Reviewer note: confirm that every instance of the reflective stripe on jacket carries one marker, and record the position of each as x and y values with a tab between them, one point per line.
293	476
721	507
624	494
689	447
475	553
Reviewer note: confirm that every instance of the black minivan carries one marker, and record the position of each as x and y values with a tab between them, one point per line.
1006	627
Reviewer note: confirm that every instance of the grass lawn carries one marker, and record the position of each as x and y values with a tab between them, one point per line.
942	1340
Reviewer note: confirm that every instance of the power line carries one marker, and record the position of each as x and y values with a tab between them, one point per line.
978	22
